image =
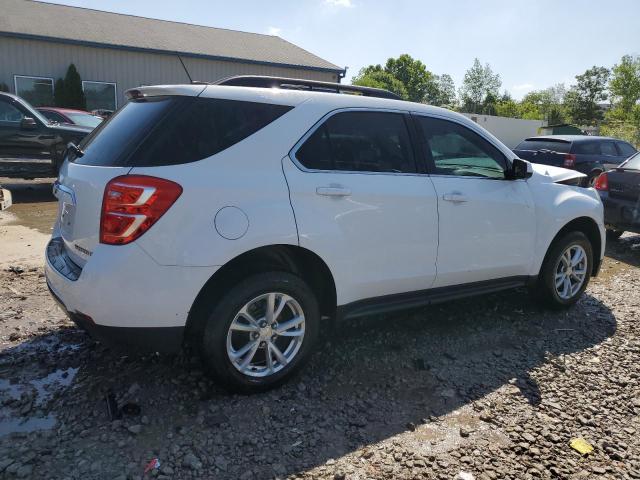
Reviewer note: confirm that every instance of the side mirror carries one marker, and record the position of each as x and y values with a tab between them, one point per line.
521	169
28	123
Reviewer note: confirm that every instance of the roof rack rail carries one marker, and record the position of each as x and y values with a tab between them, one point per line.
300	84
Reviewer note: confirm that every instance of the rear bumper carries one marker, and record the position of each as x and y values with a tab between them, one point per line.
123	297
138	339
620	214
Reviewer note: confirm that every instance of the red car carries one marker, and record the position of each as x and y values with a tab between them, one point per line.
68	116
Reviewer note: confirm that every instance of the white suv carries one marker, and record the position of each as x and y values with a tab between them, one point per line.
243	220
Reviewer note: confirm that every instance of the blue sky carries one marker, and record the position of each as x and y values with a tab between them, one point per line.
531	44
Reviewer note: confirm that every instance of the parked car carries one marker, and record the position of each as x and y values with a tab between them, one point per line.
30	146
588	154
102	113
241	217
68	116
620	193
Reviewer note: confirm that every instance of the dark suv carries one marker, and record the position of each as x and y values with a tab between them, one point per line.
31	146
587	154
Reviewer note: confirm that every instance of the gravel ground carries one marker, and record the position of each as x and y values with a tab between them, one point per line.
487	388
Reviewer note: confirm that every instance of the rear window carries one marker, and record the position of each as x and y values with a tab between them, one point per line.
173	130
553	145
633	163
626	149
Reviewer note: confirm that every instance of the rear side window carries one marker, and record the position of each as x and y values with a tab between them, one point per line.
553	145
174	130
586	148
608	149
360	142
626	150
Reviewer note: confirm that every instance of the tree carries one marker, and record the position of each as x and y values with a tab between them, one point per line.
478	82
405	76
625	83
73	94
59	93
581	101
419	82
507	107
445	91
4	87
378	78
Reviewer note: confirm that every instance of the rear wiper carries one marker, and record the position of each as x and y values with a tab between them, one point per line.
76	149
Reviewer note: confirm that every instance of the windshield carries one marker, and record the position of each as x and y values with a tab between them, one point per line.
633	163
84	119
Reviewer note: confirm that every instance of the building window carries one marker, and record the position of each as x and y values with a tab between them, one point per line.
38	91
100	95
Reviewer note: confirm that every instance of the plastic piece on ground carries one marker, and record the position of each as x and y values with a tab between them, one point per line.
154	464
581	446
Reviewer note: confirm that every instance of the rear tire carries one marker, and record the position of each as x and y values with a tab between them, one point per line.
566	271
614	234
249	350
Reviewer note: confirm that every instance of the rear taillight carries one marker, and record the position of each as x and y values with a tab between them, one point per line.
569	160
132	204
602	183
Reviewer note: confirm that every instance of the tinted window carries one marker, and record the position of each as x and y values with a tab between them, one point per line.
608	149
586	148
360	142
174	130
553	145
456	150
626	150
9	113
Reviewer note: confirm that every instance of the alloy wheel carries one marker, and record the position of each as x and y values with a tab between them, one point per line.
266	334
570	272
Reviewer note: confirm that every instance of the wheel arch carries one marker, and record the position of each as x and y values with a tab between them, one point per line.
589	227
285	258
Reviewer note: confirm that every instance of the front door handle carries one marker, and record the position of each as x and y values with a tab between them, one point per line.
333	191
455	197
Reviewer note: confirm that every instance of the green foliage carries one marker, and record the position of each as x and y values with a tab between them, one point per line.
581	101
378	78
478	83
73	94
625	83
410	79
507	107
4	87
59	93
445	95
419	82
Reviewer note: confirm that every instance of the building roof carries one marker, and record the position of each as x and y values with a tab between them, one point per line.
46	21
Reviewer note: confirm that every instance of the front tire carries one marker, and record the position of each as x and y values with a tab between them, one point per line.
261	332
566	271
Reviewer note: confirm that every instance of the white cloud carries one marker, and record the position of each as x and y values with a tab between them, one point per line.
523	87
274	31
339	3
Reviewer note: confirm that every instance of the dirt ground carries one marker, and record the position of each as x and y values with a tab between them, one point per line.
487	388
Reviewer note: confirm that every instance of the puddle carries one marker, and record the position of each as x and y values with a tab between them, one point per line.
34	205
25	425
44	388
55	380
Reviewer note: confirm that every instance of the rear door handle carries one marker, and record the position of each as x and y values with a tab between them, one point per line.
333	191
455	197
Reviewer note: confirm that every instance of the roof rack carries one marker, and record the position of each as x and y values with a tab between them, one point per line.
300	84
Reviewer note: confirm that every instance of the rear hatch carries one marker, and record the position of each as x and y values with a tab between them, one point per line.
624	183
544	151
107	153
